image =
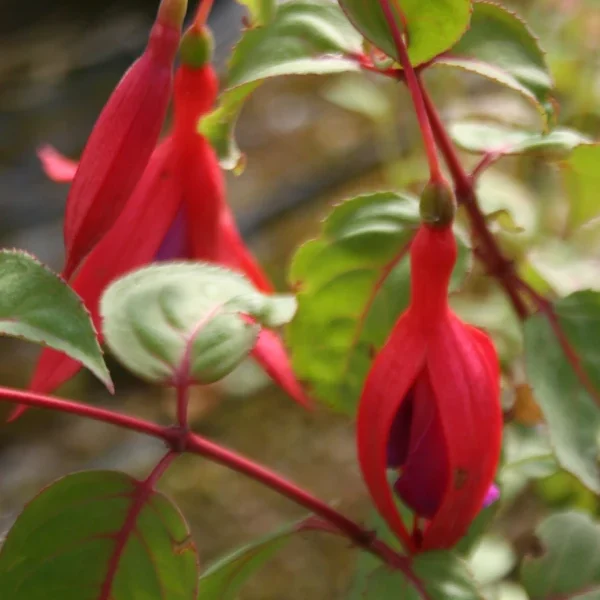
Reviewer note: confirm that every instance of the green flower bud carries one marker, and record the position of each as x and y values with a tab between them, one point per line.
196	48
438	204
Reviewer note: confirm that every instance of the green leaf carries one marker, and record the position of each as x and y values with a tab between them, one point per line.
446	576
352	284
224	579
433	26
95	529
304	37
527	455
443	575
491	560
480	137
160	317
38	306
500	47
219	124
566	562
564	267
572	415
261	11
582	179
342	317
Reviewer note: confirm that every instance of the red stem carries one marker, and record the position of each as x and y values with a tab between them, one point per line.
202	14
181	440
497	264
402	563
416	93
143	490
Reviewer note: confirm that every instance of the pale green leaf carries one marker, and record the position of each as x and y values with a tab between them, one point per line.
566	561
480	137
572	415
582	178
162	317
219	124
304	37
500	47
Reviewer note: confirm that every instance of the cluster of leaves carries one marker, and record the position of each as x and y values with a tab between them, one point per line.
351	284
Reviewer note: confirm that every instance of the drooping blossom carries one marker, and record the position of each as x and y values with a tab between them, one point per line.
430	409
122	139
177	211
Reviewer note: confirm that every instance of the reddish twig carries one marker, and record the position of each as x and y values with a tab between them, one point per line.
414	87
182	440
497	264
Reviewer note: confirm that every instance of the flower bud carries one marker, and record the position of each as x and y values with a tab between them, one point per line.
197	46
438	204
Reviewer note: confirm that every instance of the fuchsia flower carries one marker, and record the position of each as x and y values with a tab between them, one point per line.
177	211
430	409
122	139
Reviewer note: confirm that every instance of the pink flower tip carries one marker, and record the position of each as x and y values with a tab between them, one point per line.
493	495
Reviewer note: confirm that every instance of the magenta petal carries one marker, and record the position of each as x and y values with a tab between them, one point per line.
175	244
425	472
493	494
397	448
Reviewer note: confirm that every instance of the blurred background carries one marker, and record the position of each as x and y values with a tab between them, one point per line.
310	142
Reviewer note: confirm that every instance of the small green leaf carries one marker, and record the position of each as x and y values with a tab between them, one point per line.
159	317
572	415
224	579
261	11
352	284
499	46
566	562
38	306
582	179
443	575
480	137
491	560
304	37
564	267
97	535
433	26
219	124
527	455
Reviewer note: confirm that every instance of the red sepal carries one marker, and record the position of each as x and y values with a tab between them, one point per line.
432	358
119	147
131	243
57	167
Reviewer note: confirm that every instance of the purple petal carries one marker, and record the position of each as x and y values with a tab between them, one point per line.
493	494
397	448
425	473
175	244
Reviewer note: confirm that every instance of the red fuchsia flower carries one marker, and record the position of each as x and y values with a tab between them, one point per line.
177	211
430	409
122	139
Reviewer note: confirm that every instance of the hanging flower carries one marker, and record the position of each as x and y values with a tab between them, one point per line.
177	211
430	409
122	139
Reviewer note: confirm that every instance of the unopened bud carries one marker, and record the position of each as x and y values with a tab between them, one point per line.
172	13
196	47
438	204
